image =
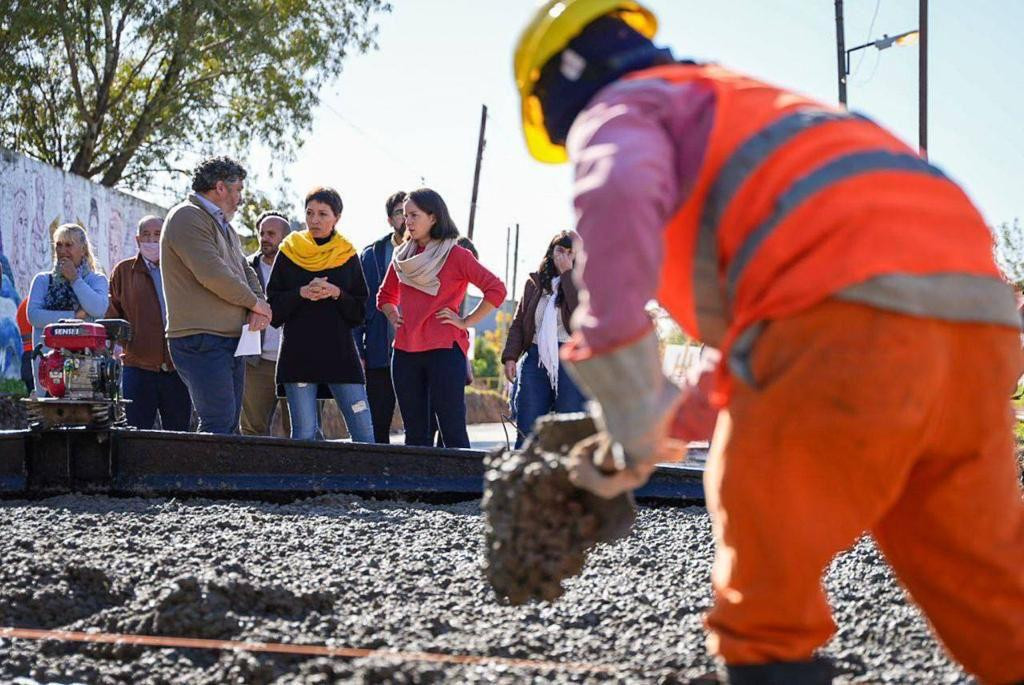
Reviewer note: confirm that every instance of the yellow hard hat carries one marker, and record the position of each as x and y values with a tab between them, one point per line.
555	24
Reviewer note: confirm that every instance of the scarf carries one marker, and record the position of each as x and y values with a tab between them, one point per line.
60	296
547	336
420	270
302	249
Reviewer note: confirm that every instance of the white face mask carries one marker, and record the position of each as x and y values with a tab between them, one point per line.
150	252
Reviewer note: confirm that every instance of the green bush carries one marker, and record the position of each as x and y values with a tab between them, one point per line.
13	386
485	358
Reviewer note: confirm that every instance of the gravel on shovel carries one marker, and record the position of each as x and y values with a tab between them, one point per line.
540	527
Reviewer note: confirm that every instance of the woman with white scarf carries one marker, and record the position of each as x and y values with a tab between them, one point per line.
421	296
73	289
540	327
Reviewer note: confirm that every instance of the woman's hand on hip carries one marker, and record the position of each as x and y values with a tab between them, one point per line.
449	317
394	314
510	371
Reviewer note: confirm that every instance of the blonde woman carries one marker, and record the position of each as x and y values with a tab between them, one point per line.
73	289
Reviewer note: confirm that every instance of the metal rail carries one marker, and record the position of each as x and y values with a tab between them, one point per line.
140	463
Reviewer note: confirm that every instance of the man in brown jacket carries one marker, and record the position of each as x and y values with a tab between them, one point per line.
211	292
150	381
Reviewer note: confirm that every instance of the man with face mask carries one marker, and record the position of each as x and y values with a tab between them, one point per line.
150	380
375	337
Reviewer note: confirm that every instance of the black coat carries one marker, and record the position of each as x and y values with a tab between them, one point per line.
316	337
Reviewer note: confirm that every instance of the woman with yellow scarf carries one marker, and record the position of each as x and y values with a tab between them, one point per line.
318	295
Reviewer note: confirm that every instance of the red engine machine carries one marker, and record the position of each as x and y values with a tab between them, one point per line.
80	374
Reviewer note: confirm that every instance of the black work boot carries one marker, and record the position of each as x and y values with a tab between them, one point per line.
813	672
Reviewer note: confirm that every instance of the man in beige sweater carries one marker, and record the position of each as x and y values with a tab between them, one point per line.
211	292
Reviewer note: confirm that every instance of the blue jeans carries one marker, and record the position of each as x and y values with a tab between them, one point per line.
156	391
351	401
214	376
535	397
27	375
432	382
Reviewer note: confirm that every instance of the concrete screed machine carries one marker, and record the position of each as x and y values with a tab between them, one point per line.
80	374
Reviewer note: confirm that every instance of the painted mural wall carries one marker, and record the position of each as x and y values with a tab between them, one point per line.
35	198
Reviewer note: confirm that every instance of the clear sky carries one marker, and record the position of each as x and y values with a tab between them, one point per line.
408	114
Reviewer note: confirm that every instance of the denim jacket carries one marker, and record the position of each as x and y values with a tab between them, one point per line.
376	336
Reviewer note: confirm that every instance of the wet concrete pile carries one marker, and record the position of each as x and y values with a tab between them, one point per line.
539	527
387	575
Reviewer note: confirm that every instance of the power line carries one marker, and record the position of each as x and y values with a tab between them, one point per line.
372	140
874	70
871	28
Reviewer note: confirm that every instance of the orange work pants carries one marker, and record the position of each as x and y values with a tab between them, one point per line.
864	420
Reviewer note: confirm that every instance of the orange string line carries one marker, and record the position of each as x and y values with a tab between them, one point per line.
304	649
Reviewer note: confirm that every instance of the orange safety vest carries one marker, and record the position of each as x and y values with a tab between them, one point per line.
24	327
796	201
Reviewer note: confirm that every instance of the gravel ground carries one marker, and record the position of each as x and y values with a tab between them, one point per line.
12	413
398	575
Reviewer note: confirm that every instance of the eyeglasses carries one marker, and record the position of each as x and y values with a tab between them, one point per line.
398	213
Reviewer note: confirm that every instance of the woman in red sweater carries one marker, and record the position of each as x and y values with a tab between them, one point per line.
421	295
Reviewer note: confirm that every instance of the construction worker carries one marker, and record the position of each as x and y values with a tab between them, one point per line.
868	342
25	329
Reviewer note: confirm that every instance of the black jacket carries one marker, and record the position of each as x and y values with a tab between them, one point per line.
316	337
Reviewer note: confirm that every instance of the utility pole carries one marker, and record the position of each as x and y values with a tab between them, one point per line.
515	263
922	78
841	52
476	173
508	247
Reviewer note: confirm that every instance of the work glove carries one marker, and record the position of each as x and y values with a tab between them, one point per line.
633	405
598	464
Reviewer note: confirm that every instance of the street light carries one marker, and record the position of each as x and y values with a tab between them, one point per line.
886	41
906	38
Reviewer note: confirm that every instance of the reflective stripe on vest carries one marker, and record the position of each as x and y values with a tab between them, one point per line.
712	297
710	302
817	180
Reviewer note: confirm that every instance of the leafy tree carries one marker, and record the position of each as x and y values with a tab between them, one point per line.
1009	249
503	321
486	362
113	89
255	203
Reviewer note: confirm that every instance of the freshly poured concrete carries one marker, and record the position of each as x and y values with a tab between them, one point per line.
348	571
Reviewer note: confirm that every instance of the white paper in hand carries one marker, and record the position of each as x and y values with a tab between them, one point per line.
249	345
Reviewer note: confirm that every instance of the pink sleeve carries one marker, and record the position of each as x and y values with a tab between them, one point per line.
480	276
389	289
626	189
